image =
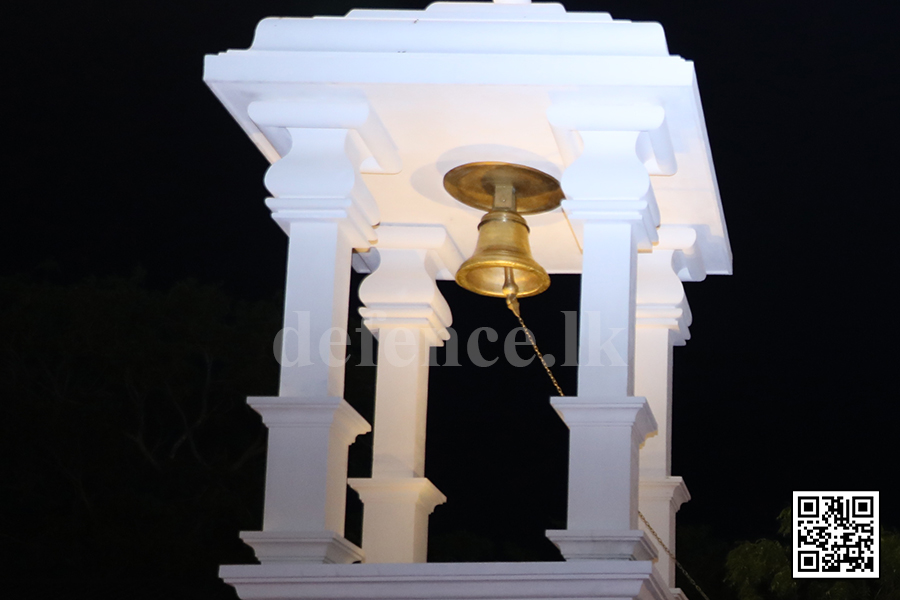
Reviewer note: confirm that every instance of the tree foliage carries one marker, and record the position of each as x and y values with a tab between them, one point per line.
132	453
762	570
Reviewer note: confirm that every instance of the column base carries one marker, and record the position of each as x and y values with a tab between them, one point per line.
407	490
302	547
395	517
602	545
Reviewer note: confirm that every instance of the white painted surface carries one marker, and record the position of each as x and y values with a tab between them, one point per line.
604	436
653	381
612	579
448	93
663	318
306	477
659	499
396	510
325	208
408	314
362	116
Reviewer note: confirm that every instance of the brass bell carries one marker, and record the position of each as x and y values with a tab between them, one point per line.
502	244
502	265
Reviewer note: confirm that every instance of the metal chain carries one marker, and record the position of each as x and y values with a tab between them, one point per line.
513	305
538	353
672	556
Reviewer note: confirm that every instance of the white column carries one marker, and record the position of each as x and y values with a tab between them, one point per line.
407	313
613	213
306	480
324	207
660	495
653	370
662	321
660	499
663	318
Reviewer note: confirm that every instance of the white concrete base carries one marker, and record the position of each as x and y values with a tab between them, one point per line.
600	545
612	579
395	517
302	547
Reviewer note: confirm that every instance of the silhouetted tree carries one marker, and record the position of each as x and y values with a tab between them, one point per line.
132	454
761	570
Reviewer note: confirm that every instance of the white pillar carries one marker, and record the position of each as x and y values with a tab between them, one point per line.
613	213
324	207
663	318
659	499
660	495
653	381
306	480
409	315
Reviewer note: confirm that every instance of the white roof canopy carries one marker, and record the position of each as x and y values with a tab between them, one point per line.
429	90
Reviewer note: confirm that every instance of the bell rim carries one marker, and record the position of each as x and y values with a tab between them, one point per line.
499	264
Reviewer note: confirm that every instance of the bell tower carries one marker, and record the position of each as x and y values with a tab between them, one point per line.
495	144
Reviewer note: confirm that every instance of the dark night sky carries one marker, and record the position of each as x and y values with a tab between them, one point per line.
120	156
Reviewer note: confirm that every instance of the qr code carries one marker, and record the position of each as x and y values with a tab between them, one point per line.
835	534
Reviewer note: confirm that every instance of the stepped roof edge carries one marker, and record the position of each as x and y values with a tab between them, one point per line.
465	27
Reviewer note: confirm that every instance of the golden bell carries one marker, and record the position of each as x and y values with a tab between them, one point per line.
502	265
502	244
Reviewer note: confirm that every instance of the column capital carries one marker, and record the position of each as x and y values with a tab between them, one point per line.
587	411
611	152
687	259
402	291
573	113
431	238
660	299
318	179
336	108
